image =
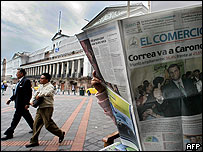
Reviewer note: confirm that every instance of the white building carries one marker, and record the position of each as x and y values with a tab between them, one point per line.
65	60
3	70
12	65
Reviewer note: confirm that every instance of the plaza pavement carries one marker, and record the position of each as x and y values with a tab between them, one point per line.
80	117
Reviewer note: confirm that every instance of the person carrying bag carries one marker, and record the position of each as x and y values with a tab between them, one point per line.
44	97
37	102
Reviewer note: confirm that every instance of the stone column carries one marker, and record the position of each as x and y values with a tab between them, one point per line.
36	70
41	69
79	68
44	68
67	68
50	72
47	68
33	71
73	68
86	67
54	69
62	69
57	70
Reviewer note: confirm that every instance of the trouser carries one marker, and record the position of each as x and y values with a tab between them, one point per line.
2	91
73	91
16	119
43	117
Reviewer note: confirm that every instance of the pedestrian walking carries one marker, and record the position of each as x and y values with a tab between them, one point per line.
13	88
22	96
73	89
44	111
3	88
6	85
62	88
57	88
68	89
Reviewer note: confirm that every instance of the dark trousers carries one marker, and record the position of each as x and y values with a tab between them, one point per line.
43	117
73	91
16	119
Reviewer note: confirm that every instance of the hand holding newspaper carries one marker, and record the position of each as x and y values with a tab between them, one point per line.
144	62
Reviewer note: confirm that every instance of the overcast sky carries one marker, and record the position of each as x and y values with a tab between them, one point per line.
30	25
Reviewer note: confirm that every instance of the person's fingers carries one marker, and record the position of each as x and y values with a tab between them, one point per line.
94	73
96	79
159	85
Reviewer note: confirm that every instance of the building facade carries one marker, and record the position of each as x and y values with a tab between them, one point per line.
10	67
65	59
3	70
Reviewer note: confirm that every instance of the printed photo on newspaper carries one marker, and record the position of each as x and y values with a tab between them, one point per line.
124	121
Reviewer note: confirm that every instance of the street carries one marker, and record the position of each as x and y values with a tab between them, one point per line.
80	117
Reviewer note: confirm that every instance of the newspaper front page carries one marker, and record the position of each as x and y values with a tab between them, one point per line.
153	64
163	50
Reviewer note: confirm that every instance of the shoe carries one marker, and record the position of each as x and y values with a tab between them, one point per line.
62	137
7	137
31	131
31	145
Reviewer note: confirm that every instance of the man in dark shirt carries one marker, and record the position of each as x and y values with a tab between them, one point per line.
181	97
21	96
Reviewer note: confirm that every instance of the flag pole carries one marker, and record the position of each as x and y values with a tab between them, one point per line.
59	20
149	6
128	8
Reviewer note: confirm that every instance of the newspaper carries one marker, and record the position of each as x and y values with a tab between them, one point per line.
146	62
118	146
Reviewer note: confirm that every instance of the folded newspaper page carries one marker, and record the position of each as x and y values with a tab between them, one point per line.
118	146
153	62
122	112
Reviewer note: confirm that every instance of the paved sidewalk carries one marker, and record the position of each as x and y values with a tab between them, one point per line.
80	117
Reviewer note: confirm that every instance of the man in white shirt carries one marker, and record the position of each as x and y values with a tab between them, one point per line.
44	111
